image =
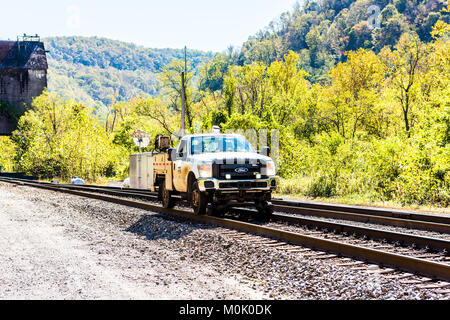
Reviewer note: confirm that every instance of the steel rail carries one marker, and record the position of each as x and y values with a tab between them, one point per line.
364	210
428	268
366	218
333	207
372	233
121	193
300	206
363	214
375	216
132	193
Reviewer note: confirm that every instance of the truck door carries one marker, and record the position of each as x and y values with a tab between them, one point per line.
179	167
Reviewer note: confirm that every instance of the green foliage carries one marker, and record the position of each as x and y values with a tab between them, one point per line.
219	118
372	123
60	138
380	128
214	72
98	72
170	80
105	53
7	154
322	31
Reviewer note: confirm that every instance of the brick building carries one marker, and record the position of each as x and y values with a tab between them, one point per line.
23	76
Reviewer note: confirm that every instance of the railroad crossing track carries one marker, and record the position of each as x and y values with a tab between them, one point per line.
392	253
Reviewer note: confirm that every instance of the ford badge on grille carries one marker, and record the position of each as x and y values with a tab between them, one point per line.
241	170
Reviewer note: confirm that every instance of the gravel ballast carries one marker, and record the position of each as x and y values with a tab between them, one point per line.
59	246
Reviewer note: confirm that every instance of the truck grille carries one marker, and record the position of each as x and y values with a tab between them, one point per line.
242	185
245	171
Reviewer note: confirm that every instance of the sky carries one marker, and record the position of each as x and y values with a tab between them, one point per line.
209	25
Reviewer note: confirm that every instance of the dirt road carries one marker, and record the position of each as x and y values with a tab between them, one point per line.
50	251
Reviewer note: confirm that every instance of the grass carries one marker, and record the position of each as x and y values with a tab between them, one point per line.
297	189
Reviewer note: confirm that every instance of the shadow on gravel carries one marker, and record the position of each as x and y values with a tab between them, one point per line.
166	227
160	226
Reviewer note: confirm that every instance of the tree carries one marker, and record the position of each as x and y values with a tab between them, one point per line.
404	66
354	90
7	154
250	87
170	79
62	138
156	110
287	88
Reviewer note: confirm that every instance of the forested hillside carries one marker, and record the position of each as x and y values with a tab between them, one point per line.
98	71
321	31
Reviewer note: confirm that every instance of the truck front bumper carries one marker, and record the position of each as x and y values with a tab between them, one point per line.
235	186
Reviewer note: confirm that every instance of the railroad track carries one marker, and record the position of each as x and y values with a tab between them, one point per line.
439	224
412	220
417	221
388	250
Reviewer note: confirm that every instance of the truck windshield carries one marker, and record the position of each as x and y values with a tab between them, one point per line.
216	144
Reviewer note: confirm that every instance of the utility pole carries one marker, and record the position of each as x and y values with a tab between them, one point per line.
183	95
185	59
183	106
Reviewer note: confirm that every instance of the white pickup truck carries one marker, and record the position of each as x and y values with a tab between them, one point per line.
212	171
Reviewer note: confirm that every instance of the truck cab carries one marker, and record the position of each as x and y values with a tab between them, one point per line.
222	170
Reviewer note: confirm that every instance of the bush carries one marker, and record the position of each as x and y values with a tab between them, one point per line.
7	153
63	139
408	171
322	186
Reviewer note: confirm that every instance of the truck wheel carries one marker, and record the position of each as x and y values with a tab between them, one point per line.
167	200
265	210
199	201
160	191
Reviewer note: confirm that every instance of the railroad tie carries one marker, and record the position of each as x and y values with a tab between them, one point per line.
381	271
359	269
287	247
399	276
269	243
350	264
423	280
278	245
314	254
447	291
329	256
442	285
429	256
298	250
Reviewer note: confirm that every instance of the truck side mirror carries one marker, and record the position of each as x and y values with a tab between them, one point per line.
265	151
172	154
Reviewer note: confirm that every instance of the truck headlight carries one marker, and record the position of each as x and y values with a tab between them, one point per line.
205	170
270	168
